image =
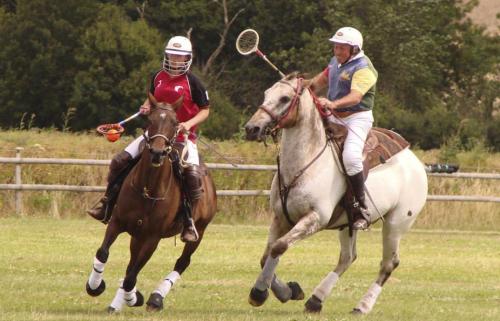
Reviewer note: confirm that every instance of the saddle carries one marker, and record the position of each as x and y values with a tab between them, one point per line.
381	144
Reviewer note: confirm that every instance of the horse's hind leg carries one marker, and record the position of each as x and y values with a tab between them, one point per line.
140	252
390	261
155	301
306	226
95	284
346	258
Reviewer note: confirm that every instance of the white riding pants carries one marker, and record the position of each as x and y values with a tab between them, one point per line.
192	157
358	126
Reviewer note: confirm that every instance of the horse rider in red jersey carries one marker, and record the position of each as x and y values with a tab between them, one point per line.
167	85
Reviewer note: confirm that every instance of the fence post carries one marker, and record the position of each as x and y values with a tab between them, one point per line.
19	193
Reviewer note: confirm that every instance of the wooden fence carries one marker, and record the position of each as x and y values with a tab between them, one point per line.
19	187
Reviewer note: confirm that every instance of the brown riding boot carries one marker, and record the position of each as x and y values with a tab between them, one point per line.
99	210
361	214
118	164
192	179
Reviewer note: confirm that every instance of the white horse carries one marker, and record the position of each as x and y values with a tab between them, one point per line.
315	182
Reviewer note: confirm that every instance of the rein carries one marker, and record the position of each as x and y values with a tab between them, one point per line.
281	122
167	151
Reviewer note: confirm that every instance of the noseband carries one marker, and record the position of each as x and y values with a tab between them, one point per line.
283	121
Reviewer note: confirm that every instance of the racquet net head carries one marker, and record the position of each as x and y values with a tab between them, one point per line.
247	42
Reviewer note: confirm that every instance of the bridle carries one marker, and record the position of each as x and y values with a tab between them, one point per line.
289	117
169	142
168	150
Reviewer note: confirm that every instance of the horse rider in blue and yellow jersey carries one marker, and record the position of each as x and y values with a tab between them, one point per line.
350	78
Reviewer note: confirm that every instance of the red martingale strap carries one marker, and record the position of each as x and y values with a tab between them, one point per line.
324	113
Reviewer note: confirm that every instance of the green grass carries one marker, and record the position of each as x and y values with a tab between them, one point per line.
443	275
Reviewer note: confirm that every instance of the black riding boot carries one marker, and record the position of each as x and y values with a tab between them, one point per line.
192	179
361	215
118	164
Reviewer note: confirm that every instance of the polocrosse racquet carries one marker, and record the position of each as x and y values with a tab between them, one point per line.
248	42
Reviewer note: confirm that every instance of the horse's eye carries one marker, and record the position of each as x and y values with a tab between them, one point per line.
284	99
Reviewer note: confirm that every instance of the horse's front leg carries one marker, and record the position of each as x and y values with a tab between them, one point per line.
281	290
306	226
95	285
140	252
325	287
155	301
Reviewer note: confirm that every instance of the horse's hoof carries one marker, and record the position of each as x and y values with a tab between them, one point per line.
140	299
112	310
258	297
313	305
155	302
297	293
356	311
96	292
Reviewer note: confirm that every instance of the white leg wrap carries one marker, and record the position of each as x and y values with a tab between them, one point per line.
324	288
367	302
118	300
165	285
95	277
266	276
130	297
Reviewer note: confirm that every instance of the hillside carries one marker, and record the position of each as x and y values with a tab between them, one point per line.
486	14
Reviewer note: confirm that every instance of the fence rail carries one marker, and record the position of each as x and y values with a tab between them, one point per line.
19	187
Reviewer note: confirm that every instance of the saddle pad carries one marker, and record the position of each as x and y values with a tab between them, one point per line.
381	144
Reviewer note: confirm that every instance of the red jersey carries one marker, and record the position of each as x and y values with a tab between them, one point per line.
168	89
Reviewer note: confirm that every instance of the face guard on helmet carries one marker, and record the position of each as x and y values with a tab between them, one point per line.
349	36
178	46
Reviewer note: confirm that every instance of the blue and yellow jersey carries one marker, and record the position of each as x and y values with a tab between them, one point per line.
357	74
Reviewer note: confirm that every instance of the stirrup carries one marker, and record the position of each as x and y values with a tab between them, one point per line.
189	232
360	224
363	220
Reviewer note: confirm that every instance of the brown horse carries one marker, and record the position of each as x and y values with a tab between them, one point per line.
147	208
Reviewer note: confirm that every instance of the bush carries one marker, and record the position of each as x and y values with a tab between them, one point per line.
224	120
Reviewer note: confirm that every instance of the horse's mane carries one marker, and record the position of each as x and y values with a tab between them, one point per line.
296	74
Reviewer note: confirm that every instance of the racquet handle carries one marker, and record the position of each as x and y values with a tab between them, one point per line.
130	118
260	54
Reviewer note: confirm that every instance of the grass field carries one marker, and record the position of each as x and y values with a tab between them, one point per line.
443	275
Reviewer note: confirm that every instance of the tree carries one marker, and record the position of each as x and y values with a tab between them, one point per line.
116	60
39	41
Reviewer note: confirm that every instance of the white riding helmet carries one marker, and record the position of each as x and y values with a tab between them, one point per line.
181	46
348	35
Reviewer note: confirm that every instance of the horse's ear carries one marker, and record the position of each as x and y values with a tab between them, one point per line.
152	99
307	83
178	102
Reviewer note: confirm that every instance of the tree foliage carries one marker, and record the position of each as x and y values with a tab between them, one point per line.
438	72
